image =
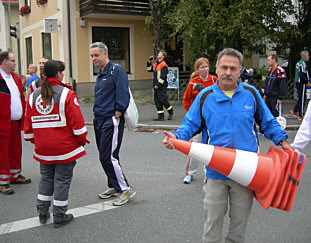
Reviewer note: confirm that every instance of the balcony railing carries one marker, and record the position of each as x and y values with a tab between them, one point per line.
125	7
13	2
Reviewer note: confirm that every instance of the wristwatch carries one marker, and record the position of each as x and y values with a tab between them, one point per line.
117	115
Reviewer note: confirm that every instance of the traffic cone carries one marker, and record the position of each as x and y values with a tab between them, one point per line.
273	177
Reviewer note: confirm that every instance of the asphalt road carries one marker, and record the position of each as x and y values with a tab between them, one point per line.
163	210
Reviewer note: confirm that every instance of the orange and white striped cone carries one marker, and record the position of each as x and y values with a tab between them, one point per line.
273	177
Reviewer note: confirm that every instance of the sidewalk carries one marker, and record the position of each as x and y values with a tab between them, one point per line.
147	112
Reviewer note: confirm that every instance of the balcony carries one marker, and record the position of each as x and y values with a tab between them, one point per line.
119	7
13	2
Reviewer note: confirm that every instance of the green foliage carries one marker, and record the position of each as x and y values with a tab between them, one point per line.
207	26
88	100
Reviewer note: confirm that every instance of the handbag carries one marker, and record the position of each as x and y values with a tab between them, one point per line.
131	115
280	119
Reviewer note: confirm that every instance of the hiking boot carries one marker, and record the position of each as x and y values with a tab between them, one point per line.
294	112
111	192
6	189
188	179
22	180
44	217
125	196
60	223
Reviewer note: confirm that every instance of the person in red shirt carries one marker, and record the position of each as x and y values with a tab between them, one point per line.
199	80
55	125
11	119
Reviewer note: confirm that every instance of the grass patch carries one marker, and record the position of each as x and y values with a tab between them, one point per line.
88	100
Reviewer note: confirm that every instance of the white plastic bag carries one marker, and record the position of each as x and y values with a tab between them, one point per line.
131	115
281	120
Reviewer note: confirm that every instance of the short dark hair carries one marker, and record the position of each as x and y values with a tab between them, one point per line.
164	53
4	55
274	56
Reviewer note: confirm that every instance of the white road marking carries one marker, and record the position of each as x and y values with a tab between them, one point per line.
34	222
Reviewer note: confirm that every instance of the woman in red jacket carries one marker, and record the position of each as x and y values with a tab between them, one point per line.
199	80
55	125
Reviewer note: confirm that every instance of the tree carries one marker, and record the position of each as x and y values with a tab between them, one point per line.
210	25
292	30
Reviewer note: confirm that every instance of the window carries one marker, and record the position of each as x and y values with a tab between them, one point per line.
47	45
117	40
28	51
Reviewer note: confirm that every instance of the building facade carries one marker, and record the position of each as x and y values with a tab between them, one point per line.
64	29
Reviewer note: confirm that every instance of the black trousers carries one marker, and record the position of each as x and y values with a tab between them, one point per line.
271	102
160	100
299	107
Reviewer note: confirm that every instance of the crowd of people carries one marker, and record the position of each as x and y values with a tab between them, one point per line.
51	109
221	111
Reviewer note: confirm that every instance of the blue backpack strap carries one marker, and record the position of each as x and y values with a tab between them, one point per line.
202	100
256	115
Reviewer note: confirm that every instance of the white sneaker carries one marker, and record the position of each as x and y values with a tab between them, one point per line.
111	192
188	179
125	196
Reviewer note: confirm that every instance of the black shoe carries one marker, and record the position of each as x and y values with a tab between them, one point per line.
44	217
66	219
170	116
159	119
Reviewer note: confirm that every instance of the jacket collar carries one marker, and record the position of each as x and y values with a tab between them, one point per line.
106	68
54	82
220	96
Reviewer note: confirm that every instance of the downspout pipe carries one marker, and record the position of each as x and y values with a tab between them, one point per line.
69	42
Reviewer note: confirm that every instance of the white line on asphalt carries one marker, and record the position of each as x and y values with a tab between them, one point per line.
34	222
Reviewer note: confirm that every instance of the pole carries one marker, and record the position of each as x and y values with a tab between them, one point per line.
9	21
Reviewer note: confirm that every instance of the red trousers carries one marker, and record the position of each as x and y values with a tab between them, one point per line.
11	154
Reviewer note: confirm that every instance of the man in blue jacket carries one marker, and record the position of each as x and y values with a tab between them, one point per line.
275	85
111	101
230	109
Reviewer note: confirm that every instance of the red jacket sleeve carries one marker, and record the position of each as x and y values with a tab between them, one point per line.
28	132
75	118
187	100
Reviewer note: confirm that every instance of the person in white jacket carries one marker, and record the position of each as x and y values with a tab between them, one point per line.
303	135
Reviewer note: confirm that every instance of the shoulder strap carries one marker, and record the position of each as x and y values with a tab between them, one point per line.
113	68
256	115
202	100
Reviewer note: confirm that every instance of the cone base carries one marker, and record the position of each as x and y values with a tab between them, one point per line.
265	197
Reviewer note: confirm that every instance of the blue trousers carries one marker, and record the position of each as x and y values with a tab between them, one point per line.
109	134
